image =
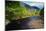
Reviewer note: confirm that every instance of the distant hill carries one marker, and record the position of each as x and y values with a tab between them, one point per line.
28	6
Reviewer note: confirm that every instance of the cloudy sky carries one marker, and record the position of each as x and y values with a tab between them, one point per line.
38	4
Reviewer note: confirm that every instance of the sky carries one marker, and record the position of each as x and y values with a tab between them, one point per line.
37	4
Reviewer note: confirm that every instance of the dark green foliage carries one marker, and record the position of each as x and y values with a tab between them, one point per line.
14	10
42	12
